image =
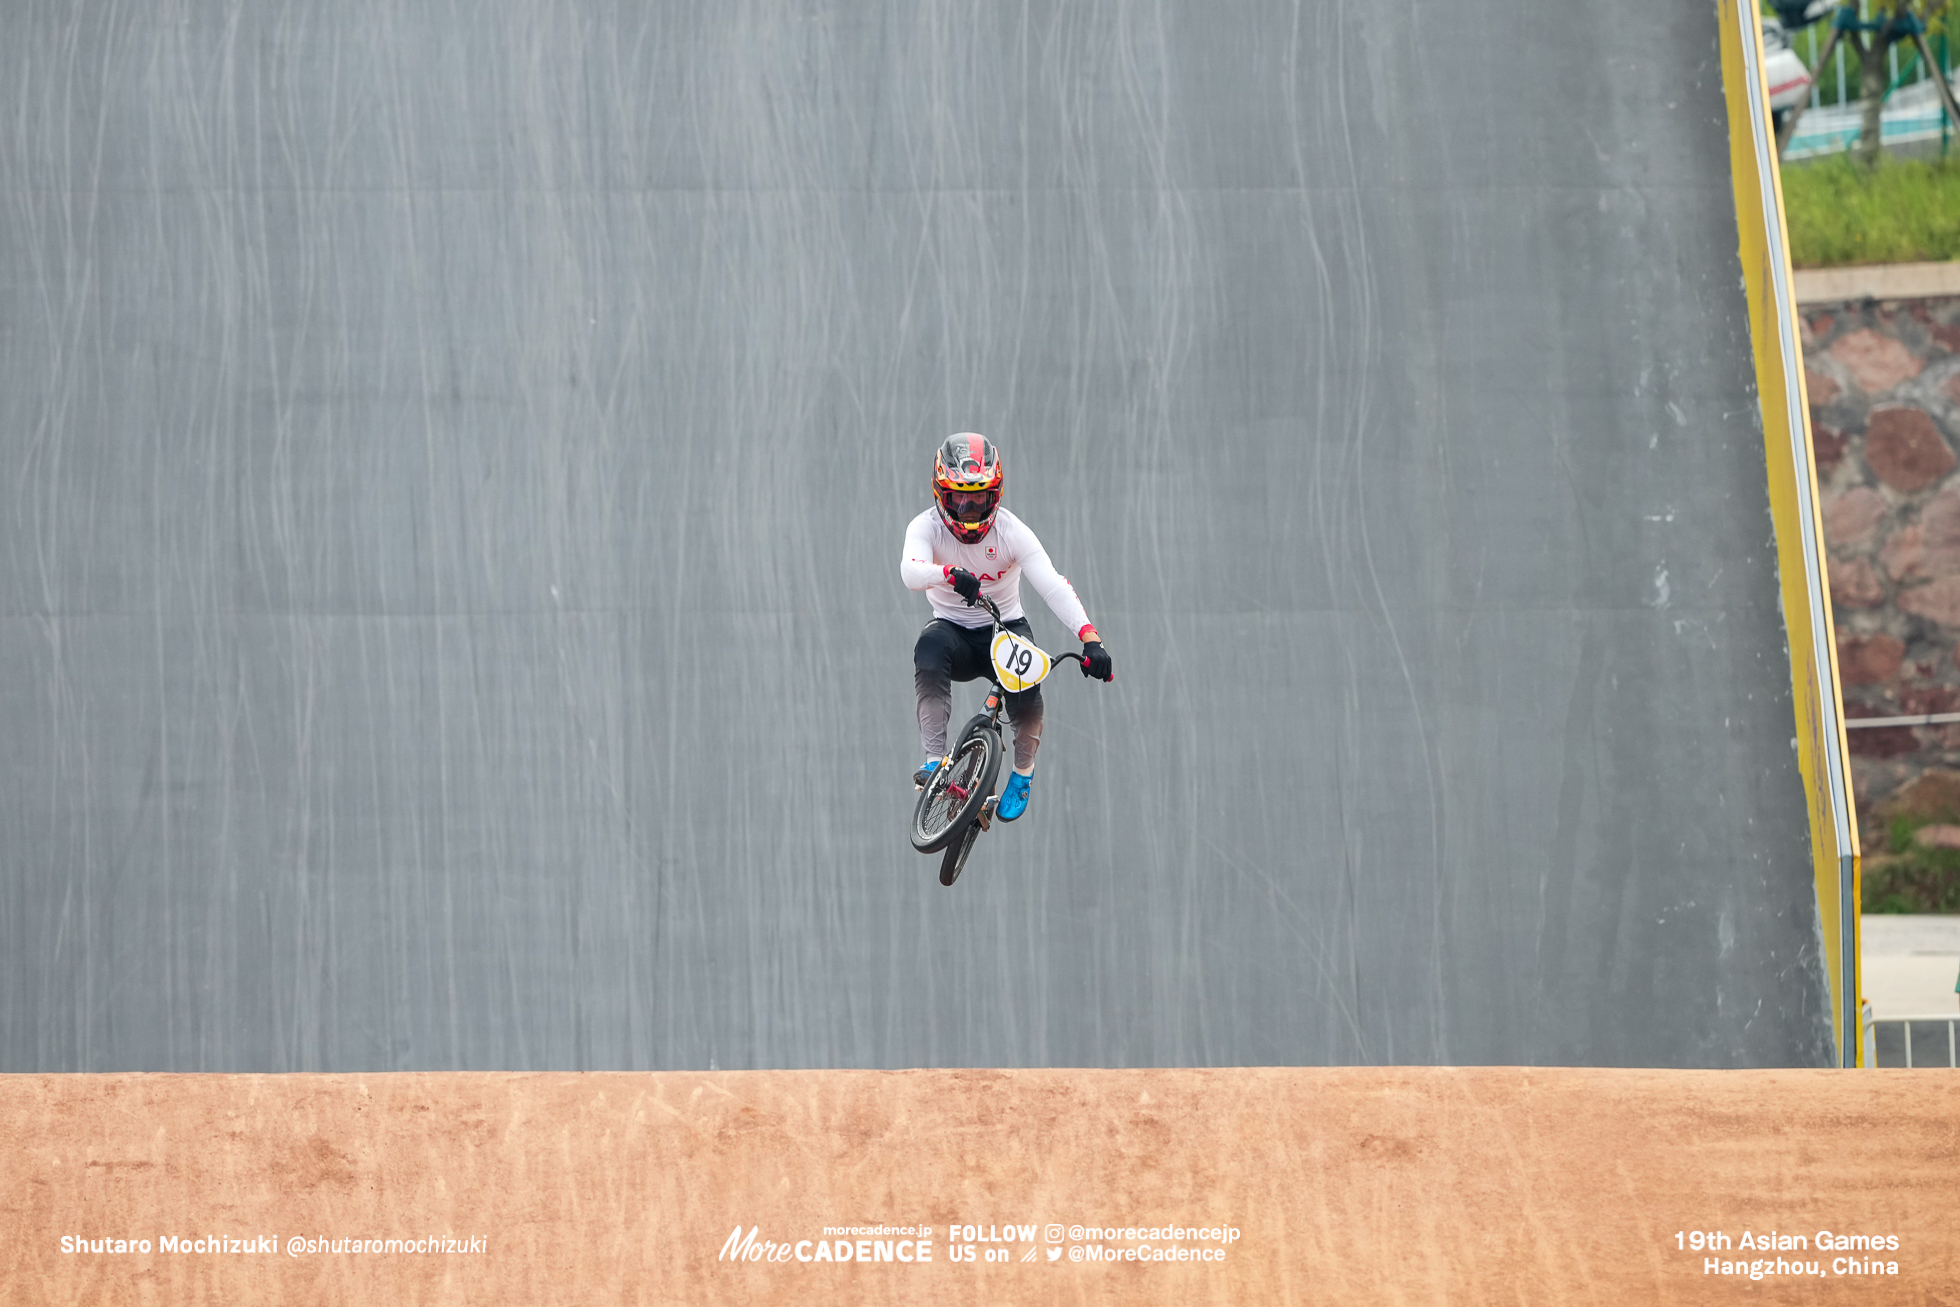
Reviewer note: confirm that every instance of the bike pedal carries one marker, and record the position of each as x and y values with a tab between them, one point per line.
986	816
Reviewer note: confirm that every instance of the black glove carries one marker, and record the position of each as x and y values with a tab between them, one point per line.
1095	661
964	583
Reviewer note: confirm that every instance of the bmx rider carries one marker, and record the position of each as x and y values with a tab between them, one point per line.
965	546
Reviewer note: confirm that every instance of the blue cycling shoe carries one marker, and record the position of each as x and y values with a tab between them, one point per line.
1014	799
924	774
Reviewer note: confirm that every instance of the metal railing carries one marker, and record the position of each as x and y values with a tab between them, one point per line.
1950	1020
1916	719
1907	118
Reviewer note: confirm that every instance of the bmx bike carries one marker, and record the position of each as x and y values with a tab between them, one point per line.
958	803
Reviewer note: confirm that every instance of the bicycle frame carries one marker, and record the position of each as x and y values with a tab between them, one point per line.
997	693
996	705
1023	662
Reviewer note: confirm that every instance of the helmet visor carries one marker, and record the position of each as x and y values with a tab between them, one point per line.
970	505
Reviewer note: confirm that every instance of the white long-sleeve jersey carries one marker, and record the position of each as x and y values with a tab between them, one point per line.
1008	552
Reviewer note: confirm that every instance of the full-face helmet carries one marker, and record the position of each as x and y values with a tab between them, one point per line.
966	480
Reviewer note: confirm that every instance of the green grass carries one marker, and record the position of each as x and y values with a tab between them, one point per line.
1903	211
1909	878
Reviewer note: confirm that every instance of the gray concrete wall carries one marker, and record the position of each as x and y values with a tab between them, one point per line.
455	458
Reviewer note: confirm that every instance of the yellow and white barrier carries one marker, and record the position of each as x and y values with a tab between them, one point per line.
1793	501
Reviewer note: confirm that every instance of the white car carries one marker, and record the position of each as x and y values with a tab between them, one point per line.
1788	79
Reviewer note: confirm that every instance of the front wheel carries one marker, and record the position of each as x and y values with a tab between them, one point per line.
952	798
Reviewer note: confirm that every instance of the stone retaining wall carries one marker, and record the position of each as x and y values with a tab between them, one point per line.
1884	381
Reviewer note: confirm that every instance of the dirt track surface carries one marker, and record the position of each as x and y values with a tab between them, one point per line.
1343	1186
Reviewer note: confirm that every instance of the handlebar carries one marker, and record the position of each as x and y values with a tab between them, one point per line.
993	611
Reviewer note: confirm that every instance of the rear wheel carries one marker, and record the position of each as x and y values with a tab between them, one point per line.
955	860
952	798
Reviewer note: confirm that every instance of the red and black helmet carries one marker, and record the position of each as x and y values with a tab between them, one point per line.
966	485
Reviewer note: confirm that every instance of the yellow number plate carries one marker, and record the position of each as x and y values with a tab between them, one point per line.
1019	665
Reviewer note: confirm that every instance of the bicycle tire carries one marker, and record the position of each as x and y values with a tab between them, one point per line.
938	818
956	854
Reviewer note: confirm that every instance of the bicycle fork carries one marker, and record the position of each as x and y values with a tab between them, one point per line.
988	721
995	704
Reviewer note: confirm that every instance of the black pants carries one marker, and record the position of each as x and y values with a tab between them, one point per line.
946	653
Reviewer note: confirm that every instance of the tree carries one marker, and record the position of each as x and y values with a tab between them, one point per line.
1893	22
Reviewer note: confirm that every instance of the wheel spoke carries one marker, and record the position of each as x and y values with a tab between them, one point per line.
952	790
